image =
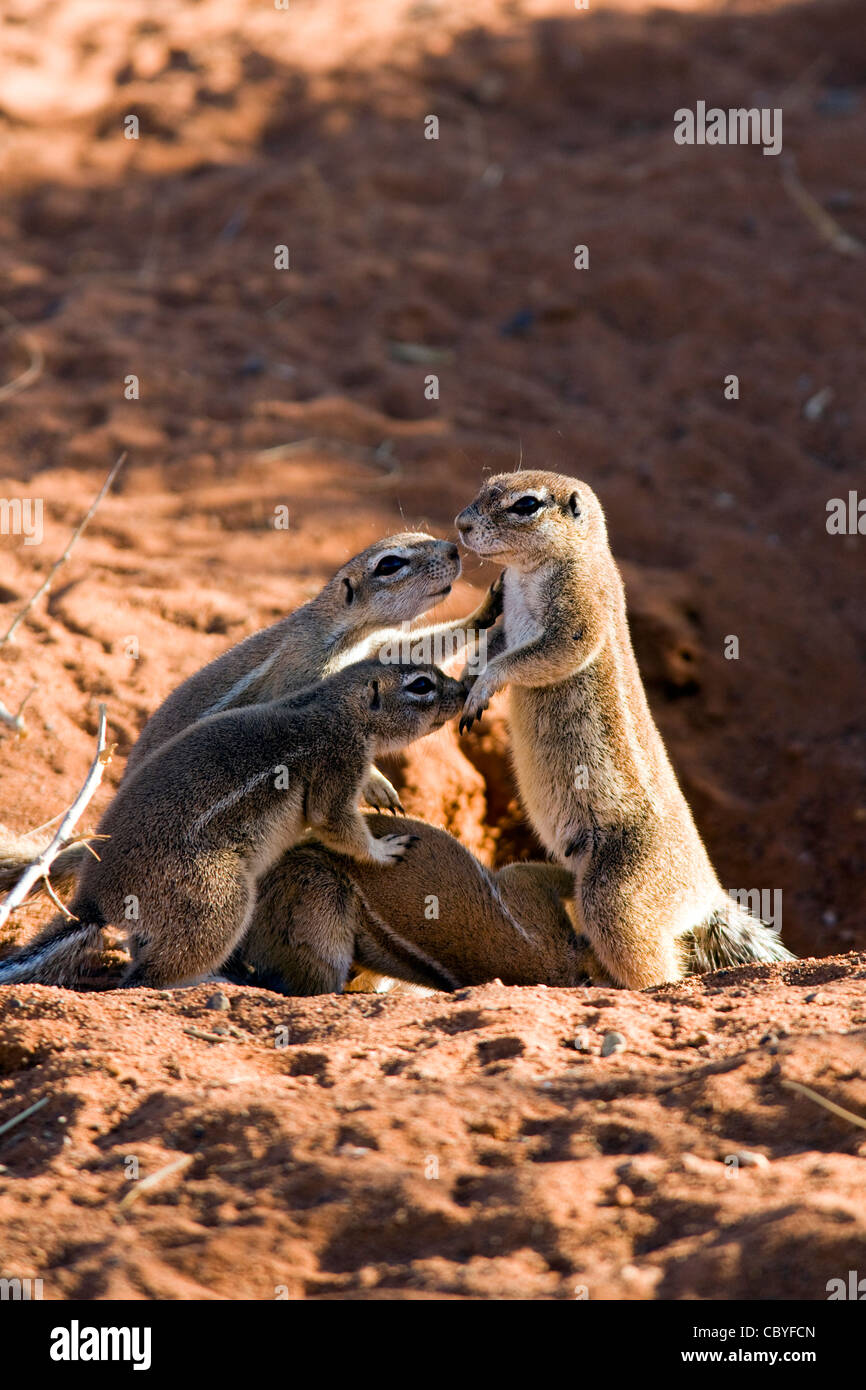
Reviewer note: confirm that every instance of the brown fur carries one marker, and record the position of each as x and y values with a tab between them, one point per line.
192	830
647	896
347	622
439	918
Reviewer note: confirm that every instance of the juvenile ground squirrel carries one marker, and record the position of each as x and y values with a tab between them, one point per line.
438	918
591	766
193	829
395	580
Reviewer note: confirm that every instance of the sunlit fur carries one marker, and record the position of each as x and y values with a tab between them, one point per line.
646	894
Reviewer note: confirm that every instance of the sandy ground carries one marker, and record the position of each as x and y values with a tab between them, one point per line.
455	1146
262	388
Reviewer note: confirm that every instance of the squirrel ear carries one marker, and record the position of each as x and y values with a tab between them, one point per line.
375	702
350	591
574	504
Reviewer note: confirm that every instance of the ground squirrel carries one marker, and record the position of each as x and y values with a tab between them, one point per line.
591	766
397	579
439	918
192	830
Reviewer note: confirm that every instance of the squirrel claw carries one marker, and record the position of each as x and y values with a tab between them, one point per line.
491	608
392	849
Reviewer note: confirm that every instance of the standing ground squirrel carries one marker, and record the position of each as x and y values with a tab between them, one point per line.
591	766
397	579
438	918
192	830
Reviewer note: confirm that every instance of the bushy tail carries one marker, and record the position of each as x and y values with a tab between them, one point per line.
55	957
17	851
733	937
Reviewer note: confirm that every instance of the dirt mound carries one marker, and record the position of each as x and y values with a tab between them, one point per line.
480	1145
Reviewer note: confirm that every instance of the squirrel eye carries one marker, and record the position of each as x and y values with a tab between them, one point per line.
390	564
525	506
421	685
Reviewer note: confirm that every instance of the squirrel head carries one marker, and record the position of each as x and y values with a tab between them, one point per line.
403	702
522	519
396	579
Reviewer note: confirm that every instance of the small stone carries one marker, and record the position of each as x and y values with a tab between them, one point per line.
581	1040
748	1158
623	1196
811	997
612	1042
694	1164
353	1151
218	1001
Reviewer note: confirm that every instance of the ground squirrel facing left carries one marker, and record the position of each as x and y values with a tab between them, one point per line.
192	831
592	770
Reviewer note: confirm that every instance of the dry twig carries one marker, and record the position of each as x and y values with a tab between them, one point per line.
41	865
49	579
24	1114
823	1101
155	1179
33	370
15	721
826	226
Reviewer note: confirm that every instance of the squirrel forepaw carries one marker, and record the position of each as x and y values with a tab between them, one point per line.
391	849
379	794
491	608
477	702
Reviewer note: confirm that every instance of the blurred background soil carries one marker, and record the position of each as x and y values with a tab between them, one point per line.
304	388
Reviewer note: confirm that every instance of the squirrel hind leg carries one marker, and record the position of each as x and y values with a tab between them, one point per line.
198	927
302	932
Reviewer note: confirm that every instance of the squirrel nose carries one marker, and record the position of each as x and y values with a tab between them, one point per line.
453	552
463	523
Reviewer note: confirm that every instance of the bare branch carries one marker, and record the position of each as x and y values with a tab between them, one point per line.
33	370
823	1101
40	866
826	226
16	721
48	581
